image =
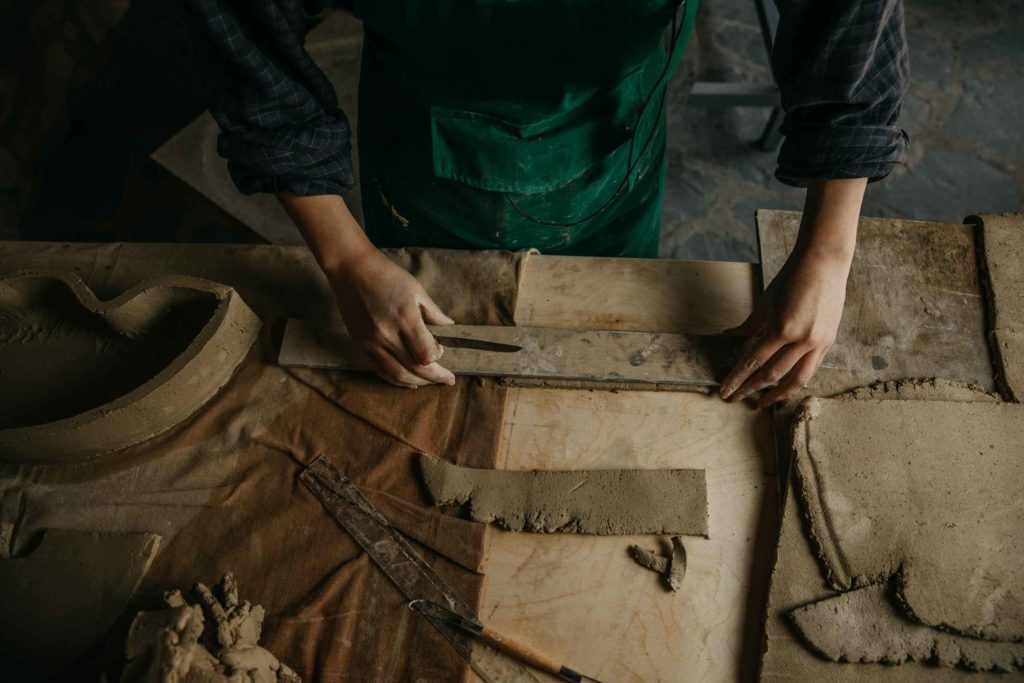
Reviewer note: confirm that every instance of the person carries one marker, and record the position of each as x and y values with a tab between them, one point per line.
541	123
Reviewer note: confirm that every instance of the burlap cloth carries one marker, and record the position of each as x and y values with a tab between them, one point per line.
222	488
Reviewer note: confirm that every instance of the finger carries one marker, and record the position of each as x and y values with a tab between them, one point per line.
419	343
393	371
777	367
434	372
796	381
432	313
373	364
431	372
751	362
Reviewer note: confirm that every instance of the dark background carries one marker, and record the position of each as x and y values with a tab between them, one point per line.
89	88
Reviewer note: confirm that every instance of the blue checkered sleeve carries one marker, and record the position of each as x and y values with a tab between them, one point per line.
842	67
281	128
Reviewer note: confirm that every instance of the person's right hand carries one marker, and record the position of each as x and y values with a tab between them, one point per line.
386	311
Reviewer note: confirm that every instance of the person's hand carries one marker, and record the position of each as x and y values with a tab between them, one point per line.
386	311
793	326
796	320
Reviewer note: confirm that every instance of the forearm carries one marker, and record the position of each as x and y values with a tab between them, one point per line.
828	230
332	233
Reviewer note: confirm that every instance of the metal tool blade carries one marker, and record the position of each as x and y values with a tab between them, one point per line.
477	344
399	561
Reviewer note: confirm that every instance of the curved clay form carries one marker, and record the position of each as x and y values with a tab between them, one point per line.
178	339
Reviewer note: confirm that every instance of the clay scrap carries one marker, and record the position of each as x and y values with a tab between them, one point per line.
83	376
1002	272
604	502
212	639
672	567
863	625
61	599
926	493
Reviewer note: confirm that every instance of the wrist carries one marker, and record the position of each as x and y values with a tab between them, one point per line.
336	240
828	229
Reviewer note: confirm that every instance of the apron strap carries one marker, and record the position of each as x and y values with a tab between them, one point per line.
645	134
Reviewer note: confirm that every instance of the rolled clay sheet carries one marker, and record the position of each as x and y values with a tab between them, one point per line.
604	502
928	493
863	625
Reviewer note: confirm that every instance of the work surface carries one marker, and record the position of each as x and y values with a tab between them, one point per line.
536	587
581	597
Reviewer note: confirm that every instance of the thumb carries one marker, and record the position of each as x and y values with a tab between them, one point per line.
432	313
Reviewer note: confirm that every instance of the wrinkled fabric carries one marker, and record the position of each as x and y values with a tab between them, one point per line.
222	488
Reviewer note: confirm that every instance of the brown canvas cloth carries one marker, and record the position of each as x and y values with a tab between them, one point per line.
222	488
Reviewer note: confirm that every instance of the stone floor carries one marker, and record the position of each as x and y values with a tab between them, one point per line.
964	115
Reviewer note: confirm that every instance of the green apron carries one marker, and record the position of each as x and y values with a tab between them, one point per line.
510	124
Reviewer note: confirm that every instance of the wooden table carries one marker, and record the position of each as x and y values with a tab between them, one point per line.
577	596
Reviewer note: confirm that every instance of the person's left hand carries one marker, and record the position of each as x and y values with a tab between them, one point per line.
792	328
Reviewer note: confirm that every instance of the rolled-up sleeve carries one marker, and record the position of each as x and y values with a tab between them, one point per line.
842	68
281	128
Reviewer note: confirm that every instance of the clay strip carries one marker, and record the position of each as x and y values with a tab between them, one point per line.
603	502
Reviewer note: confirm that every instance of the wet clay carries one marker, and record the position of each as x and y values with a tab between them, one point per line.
605	502
82	376
61	598
863	625
1001	264
214	638
650	559
926	493
931	389
672	567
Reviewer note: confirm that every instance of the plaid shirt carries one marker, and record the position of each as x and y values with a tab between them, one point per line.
841	66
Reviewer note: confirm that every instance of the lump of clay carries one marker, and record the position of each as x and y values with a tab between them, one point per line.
926	493
671	567
83	376
606	502
214	639
863	625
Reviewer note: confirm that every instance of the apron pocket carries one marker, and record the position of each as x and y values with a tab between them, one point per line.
491	153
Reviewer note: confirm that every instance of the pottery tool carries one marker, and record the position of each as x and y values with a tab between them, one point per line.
521	651
399	561
535	352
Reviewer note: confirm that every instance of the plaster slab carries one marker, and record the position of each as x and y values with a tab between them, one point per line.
603	502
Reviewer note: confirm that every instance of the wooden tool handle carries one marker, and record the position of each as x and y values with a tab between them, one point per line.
528	654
